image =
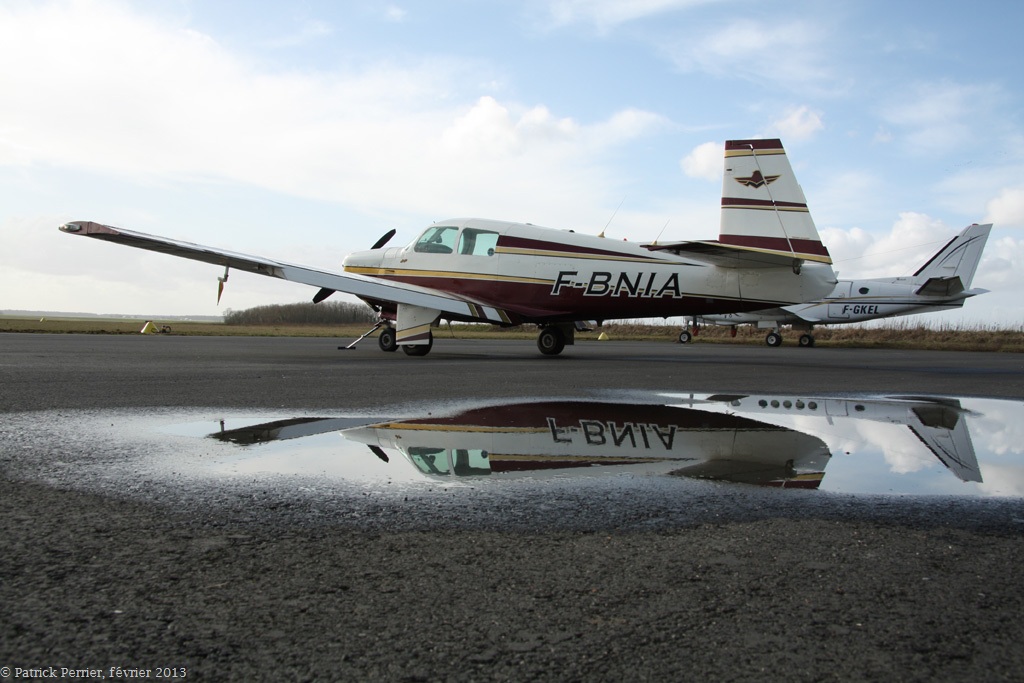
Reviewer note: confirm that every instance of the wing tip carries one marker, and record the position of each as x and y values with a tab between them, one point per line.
86	228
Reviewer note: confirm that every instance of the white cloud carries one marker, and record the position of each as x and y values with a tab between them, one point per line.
1007	208
912	239
395	13
935	116
606	14
307	32
799	123
790	53
704	161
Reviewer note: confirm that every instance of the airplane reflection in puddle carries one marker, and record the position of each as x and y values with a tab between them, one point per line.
564	436
707	436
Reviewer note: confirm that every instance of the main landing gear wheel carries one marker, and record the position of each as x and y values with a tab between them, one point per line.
806	340
773	339
386	340
685	337
551	341
419	349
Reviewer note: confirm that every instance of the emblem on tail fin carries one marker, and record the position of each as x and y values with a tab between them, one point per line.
756	180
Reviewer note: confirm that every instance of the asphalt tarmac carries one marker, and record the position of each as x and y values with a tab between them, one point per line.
611	582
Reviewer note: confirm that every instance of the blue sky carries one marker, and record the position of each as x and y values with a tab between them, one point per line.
305	130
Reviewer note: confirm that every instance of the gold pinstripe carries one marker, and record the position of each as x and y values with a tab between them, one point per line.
749	152
452	274
413	331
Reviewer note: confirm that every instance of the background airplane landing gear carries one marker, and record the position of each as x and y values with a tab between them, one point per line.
685	337
773	339
806	340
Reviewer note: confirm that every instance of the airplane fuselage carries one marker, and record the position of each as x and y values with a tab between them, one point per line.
537	274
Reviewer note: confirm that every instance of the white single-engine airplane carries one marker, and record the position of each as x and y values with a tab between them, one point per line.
768	254
941	284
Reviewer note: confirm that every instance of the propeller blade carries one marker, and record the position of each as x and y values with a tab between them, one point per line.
322	294
384	239
379	452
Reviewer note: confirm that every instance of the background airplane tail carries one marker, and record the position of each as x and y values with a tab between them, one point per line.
958	259
763	206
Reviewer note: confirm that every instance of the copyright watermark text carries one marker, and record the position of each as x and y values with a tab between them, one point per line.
84	673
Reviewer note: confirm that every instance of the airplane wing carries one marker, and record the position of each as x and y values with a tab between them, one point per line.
734	256
417	298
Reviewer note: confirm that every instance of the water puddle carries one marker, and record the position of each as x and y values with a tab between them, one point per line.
913	445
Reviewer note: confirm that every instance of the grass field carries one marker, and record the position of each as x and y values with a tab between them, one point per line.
896	334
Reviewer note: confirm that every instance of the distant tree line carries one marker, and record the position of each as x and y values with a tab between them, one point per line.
325	313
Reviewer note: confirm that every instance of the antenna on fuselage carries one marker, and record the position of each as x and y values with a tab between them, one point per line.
661	233
612	218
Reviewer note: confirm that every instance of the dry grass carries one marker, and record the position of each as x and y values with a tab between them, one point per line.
893	334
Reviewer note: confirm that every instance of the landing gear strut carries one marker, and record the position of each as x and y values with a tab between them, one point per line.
380	323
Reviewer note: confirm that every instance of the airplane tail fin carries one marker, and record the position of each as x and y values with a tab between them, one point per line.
763	207
957	260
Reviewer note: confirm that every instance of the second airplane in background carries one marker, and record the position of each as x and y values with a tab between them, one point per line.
942	283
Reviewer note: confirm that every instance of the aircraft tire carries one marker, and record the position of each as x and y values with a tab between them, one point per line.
806	340
551	341
685	337
773	339
387	341
419	349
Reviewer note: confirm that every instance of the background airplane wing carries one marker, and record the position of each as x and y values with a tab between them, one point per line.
801	312
358	285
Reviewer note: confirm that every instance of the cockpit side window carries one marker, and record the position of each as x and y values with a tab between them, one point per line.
438	239
477	242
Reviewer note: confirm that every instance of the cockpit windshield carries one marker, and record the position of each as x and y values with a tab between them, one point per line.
442	239
438	239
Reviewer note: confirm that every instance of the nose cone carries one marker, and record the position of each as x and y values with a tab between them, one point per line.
366	262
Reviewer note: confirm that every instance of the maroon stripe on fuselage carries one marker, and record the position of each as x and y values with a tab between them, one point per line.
532	302
568	413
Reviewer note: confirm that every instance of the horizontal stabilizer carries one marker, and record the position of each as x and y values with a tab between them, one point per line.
735	256
941	286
